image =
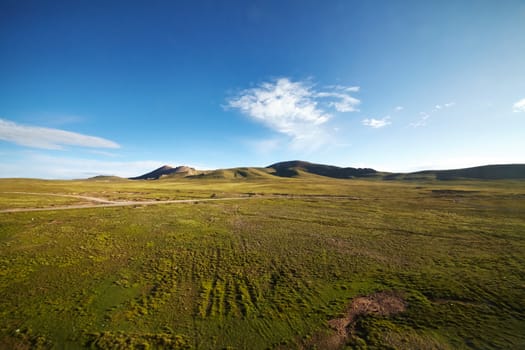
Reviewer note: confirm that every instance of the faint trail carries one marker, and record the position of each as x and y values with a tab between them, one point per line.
105	203
109	204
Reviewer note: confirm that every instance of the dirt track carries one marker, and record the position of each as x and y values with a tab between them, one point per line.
104	203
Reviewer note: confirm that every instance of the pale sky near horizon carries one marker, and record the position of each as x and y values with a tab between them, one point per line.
123	87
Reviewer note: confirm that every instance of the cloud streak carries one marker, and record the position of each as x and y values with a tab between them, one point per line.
519	106
424	116
48	138
295	109
422	121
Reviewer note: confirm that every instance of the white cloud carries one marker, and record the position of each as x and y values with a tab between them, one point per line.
48	138
284	106
399	108
519	106
295	109
450	104
376	123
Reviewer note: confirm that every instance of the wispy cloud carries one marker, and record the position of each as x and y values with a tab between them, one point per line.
59	167
424	116
343	88
443	106
422	121
519	106
340	98
295	108
376	123
48	138
399	108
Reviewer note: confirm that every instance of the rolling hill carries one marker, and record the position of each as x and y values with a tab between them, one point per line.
106	178
234	173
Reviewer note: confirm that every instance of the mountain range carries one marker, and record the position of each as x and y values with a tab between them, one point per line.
299	168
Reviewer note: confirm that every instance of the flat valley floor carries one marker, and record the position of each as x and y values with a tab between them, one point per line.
283	263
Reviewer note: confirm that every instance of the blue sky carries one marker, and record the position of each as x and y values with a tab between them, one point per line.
122	87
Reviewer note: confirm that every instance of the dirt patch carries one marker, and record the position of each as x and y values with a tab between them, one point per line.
381	304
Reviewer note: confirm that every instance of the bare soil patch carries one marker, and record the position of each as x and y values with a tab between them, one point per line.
386	303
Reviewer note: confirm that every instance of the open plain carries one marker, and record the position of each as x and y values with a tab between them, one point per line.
262	262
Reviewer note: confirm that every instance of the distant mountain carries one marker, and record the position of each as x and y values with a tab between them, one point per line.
294	168
297	167
164	171
485	172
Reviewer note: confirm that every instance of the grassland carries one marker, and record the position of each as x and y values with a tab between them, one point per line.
268	272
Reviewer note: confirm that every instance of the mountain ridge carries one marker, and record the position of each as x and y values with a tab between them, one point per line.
298	168
164	171
292	168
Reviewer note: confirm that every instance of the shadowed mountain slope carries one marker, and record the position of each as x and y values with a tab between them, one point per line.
296	167
485	172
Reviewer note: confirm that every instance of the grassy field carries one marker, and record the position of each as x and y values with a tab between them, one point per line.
274	271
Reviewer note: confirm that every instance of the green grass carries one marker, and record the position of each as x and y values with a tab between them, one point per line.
264	272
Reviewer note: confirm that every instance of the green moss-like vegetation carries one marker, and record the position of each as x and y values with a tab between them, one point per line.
264	272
